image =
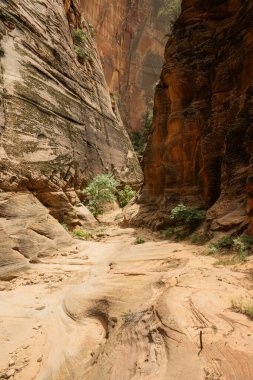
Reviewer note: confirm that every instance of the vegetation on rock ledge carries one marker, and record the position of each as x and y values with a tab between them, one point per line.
104	189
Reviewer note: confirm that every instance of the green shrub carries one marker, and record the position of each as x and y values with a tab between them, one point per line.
191	217
125	195
80	53
114	97
171	10
225	242
79	233
139	138
139	240
101	190
243	308
211	249
80	36
226	261
239	246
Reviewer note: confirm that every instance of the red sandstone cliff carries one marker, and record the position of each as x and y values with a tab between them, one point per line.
130	38
200	151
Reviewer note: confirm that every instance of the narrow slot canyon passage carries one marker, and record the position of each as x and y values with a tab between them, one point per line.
126	190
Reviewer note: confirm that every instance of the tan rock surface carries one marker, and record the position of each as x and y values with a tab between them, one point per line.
57	126
115	310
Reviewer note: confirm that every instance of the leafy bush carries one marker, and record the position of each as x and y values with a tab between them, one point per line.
242	248
80	36
211	249
139	138
101	190
225	242
125	195
79	233
139	240
80	53
191	217
238	246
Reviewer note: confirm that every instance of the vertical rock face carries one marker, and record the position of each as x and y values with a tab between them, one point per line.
200	150
57	125
130	38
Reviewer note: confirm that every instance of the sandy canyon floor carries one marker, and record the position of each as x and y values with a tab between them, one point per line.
119	311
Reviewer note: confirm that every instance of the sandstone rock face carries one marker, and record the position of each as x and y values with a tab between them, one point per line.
27	232
200	151
131	39
57	125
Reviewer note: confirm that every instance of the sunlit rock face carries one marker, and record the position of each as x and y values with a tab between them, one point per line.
57	125
131	39
200	151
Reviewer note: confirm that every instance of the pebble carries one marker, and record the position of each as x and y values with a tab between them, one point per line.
11	362
10	373
39	359
40	307
37	327
25	346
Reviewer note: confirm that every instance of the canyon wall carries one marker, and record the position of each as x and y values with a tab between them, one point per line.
130	38
200	150
57	125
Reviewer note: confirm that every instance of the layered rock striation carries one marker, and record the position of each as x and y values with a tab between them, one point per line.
131	38
200	150
57	125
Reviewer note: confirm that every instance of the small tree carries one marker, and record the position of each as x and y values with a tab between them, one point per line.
101	190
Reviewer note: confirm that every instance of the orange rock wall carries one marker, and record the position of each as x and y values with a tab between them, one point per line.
200	151
130	38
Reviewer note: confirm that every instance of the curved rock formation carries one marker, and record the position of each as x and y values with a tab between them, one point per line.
57	125
131	39
200	151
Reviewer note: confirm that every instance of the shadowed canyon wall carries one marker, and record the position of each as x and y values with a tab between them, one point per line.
200	150
57	125
131	39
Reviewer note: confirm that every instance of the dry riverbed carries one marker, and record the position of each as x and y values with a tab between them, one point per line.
114	310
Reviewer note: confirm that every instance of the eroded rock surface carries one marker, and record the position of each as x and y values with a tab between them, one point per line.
200	151
57	125
118	311
131	38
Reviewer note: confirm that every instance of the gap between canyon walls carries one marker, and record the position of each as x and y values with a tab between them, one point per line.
131	38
